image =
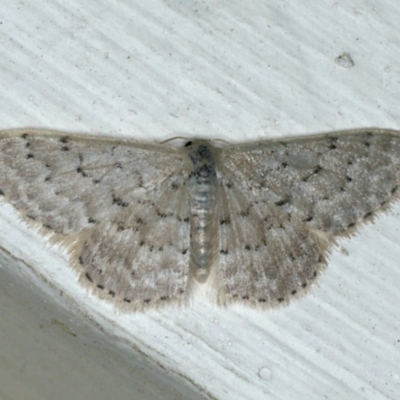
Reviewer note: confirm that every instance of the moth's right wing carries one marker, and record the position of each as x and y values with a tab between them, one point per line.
287	200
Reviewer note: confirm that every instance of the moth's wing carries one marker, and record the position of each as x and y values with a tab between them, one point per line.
141	256
266	257
121	208
287	201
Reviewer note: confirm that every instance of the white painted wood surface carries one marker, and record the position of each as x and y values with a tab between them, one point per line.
234	71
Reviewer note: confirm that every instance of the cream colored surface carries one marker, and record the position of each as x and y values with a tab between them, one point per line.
47	351
220	69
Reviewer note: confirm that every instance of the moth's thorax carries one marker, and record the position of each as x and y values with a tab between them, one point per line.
203	208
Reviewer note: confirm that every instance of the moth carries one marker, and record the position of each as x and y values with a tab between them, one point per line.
145	223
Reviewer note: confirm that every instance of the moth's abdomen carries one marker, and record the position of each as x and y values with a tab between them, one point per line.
203	210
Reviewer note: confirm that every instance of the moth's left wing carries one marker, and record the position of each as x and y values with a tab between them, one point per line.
121	208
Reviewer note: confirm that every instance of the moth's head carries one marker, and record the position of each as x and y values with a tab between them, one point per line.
200	151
